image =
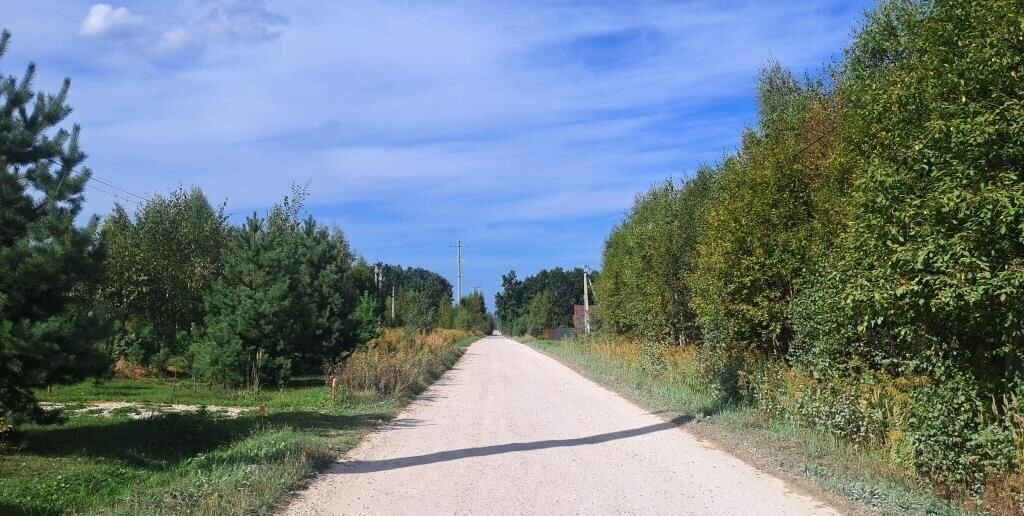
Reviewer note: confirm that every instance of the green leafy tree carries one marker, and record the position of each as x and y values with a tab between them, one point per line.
564	286
446	313
48	334
428	283
763	229
649	258
416	311
869	226
937	240
471	315
542	313
361	278
158	268
509	305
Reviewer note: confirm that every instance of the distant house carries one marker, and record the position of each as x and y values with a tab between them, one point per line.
579	320
579	324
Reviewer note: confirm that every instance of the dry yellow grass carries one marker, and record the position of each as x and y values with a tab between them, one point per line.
870	412
397	363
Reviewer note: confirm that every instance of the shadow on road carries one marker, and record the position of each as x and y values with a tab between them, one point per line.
371	466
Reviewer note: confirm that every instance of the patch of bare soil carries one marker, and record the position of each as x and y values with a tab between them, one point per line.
142	410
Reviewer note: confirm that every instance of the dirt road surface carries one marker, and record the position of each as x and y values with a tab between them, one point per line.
512	431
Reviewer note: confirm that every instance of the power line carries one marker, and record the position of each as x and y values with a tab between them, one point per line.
821	136
53	161
813	142
98	180
112	194
115	195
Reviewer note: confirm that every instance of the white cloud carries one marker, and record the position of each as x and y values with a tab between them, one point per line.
105	18
186	27
172	40
234	21
542	119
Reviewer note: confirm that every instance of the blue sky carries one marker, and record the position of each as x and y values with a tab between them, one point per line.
523	128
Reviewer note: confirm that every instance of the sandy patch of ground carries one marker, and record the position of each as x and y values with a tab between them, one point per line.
142	410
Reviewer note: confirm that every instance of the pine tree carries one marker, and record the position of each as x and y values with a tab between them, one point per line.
251	311
285	303
47	334
324	260
364	319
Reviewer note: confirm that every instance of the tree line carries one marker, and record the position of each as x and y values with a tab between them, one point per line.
868	229
175	286
542	301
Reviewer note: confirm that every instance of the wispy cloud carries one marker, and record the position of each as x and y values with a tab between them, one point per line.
105	18
173	39
523	127
190	27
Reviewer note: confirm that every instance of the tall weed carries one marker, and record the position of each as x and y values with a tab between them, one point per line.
398	362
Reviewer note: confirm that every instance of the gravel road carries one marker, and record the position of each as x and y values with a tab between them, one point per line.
512	431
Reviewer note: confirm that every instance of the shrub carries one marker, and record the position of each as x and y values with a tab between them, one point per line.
400	363
731	373
961	437
124	368
871	409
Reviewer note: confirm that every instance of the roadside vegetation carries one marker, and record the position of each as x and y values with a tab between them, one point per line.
204	462
539	302
187	365
671	381
853	271
398	362
174	289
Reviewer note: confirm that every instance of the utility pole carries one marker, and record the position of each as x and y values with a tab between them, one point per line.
378	279
392	303
458	262
586	299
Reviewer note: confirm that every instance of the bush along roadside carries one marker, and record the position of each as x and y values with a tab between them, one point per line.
398	363
854	442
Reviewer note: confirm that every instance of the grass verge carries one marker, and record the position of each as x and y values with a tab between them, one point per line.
190	463
301	392
855	479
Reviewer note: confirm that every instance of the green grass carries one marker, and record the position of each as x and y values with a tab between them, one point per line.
855	479
302	392
191	463
176	463
307	392
464	342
